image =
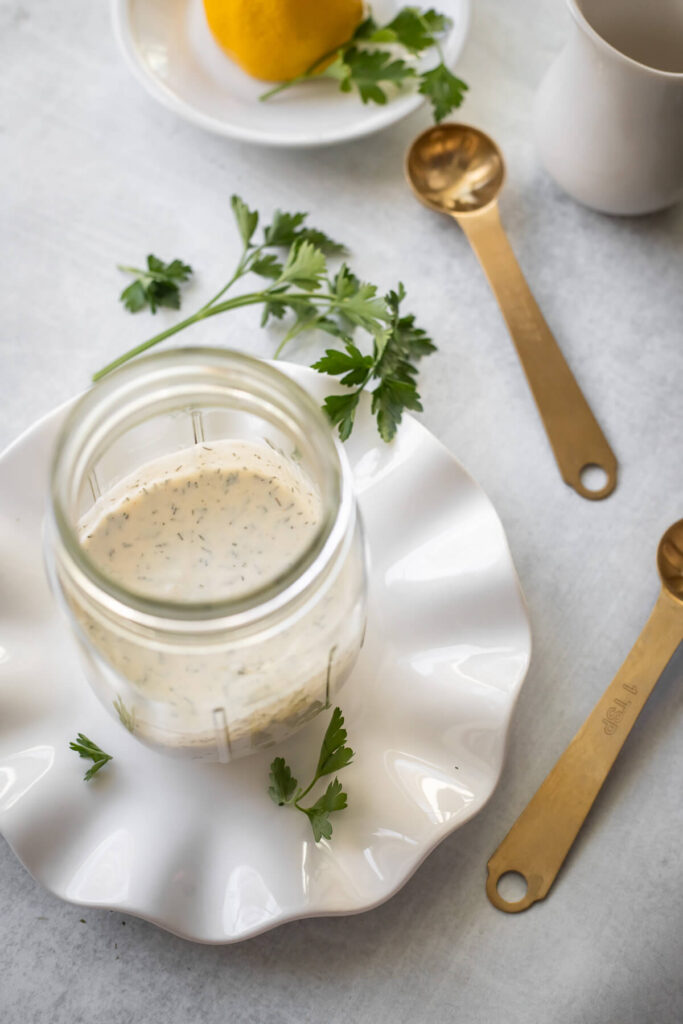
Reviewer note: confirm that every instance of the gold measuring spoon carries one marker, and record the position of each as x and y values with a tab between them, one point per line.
542	836
459	170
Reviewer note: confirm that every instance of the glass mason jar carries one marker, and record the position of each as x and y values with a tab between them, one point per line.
216	679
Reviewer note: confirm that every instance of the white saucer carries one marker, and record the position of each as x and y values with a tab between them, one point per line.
200	849
170	50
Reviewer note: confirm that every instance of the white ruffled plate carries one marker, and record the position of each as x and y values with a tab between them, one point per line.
200	849
170	50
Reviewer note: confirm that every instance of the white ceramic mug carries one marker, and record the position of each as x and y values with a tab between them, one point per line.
609	112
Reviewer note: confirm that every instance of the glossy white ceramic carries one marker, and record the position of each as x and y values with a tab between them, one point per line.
609	128
200	849
170	50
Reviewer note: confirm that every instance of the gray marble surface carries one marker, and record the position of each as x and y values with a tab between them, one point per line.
93	172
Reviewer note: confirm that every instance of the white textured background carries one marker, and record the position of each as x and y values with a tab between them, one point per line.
92	173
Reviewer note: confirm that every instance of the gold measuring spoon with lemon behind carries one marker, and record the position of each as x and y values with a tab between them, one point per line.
459	171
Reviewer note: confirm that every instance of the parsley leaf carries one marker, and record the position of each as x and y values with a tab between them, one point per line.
156	286
364	308
334	755
341	412
284	228
273	306
176	270
86	748
367	70
367	29
305	266
282	783
267	265
247	220
351	363
436	24
444	90
414	29
392	366
134	297
389	400
345	282
406	340
288	228
333	799
323	242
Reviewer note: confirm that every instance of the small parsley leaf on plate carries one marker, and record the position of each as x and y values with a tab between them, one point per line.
86	748
334	755
282	783
333	799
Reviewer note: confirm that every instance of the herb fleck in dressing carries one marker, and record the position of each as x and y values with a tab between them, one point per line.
214	522
209	523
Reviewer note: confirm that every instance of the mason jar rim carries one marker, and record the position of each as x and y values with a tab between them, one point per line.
207	373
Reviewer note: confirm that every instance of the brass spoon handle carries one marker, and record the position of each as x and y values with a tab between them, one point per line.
541	838
574	433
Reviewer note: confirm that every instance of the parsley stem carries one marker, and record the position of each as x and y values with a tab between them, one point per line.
242	269
304	792
132	270
147	275
309	73
201	314
212	309
221	293
284	85
290	336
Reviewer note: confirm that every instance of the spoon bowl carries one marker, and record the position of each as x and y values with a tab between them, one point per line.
670	560
453	168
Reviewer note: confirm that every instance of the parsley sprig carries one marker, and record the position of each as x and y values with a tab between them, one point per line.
86	748
284	789
299	289
392	365
368	62
155	286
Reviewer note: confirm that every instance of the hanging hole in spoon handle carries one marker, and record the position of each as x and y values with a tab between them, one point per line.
509	882
596	479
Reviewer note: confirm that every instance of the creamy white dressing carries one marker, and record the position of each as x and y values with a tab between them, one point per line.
206	524
217	521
